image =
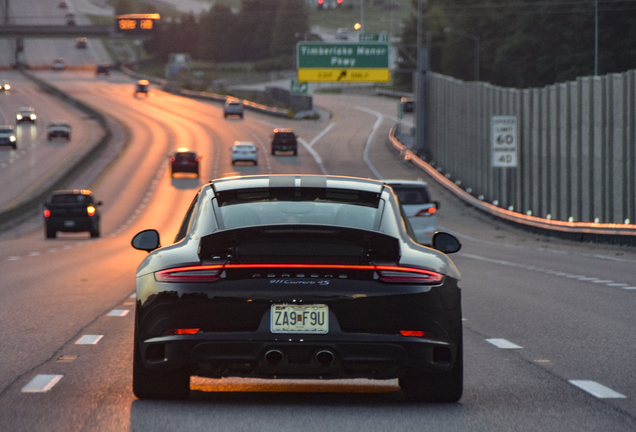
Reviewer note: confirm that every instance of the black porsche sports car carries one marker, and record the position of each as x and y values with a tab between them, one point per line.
298	276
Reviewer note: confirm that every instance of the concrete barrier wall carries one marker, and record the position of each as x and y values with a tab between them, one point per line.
576	145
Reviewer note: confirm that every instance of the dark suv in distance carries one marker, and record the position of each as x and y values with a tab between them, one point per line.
71	211
184	161
284	140
102	69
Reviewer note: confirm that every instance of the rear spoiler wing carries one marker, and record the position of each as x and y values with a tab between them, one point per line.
319	244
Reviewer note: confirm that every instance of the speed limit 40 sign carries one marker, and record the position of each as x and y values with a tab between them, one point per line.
504	141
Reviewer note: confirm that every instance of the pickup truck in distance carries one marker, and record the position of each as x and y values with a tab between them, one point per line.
71	211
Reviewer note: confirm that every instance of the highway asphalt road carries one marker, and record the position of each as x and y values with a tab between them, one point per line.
548	331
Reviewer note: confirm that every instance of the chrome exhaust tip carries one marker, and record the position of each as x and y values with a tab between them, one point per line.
273	357
325	357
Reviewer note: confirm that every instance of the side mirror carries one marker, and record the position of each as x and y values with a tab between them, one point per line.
147	240
446	243
98	203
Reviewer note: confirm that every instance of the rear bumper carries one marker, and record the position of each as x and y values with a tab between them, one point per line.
284	147
300	356
79	224
234	322
185	169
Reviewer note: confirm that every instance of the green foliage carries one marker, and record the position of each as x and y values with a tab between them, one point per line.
526	43
261	30
289	27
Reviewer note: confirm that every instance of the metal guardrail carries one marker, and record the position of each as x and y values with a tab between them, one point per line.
29	206
253	106
579	231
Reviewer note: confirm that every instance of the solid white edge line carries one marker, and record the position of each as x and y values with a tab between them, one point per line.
503	344
89	340
597	390
315	155
320	135
365	154
41	383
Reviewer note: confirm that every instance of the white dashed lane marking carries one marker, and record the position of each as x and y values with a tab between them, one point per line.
583	278
118	312
503	344
41	383
89	340
597	390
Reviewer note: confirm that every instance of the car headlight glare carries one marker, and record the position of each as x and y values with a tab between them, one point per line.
18	116
33	116
12	138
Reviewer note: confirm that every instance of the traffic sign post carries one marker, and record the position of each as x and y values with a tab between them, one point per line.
343	62
504	133
299	87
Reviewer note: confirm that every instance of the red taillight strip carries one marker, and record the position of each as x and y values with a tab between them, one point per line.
307	266
211	273
396	274
180	274
185	331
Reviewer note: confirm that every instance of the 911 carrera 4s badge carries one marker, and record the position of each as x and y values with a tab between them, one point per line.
300	319
298	282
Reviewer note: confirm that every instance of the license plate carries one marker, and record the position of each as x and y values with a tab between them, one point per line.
300	319
69	223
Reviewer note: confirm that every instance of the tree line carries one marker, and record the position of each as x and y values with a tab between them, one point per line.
525	43
261	30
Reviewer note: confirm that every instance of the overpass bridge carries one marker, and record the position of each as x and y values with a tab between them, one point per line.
64	31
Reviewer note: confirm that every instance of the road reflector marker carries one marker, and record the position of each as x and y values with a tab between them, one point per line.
89	339
41	383
118	312
503	344
597	390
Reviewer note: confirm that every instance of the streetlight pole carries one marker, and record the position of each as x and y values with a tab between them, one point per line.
474	39
595	37
361	16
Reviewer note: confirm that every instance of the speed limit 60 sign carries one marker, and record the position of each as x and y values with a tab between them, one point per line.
504	141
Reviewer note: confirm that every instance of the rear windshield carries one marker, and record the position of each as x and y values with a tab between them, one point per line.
271	206
184	156
285	135
6	130
409	195
72	199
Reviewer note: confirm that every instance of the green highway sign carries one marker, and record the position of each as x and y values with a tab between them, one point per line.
299	87
373	37
346	62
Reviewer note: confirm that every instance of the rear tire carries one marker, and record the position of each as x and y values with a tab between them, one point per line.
50	233
437	387
161	384
94	233
295	152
